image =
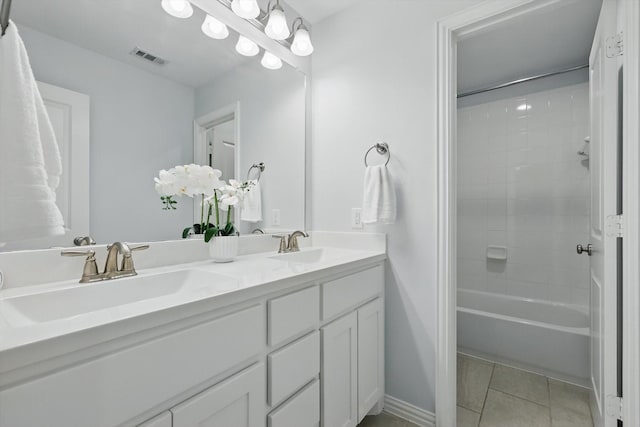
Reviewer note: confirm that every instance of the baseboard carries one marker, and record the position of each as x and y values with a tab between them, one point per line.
409	412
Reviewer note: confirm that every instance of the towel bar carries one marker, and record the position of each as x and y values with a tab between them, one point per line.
382	148
260	166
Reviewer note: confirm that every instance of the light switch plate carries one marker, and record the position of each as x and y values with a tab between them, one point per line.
275	217
356	218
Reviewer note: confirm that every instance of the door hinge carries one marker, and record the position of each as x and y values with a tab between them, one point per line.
615	226
614	407
615	45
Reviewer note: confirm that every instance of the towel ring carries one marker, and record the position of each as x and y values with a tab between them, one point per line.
260	166
382	148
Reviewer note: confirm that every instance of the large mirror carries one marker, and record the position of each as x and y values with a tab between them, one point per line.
131	90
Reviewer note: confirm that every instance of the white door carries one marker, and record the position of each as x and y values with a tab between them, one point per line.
370	356
604	171
340	372
69	115
236	402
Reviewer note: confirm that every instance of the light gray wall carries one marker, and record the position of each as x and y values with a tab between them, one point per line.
272	130
371	85
140	123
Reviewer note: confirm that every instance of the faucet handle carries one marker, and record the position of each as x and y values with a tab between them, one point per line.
283	242
90	269
127	259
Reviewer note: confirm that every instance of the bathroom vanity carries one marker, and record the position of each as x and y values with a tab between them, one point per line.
269	340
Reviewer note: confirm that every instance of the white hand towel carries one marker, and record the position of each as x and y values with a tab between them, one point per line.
252	205
30	165
379	204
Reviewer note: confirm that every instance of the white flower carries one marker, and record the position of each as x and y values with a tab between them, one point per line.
166	183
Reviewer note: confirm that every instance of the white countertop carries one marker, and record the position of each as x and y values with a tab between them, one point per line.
249	276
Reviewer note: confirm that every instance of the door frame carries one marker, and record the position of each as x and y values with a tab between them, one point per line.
200	127
449	31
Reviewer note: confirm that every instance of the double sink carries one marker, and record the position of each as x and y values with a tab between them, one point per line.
80	299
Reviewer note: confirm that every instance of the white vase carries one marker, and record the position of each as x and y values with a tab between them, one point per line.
223	248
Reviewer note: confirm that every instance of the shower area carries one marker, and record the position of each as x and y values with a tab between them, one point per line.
523	203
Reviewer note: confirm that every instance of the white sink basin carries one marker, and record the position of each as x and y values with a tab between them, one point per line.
303	257
87	298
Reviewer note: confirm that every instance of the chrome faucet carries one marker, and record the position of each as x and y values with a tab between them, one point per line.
293	240
111	270
289	243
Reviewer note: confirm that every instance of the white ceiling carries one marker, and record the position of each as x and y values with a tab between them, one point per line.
114	27
315	11
548	40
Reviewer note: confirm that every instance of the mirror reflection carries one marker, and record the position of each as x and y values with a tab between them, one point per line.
131	91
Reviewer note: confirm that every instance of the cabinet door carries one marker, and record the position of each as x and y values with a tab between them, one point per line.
237	401
339	372
370	356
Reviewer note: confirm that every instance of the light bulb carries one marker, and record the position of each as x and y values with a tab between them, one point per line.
270	61
214	28
177	8
246	47
247	9
277	27
301	45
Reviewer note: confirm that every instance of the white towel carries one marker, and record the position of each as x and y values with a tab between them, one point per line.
379	204
30	164
252	204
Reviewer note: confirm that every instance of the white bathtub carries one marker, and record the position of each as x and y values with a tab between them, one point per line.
545	337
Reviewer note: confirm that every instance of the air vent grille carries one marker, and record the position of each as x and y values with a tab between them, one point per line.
142	54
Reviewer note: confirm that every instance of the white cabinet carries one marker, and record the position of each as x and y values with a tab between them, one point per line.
339	372
237	401
370	356
353	365
301	411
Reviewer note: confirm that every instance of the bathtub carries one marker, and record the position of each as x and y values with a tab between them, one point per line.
545	337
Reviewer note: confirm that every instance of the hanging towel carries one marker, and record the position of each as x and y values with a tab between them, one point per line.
379	204
30	163
252	205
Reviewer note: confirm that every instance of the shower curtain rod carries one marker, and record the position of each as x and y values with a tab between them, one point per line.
526	79
4	16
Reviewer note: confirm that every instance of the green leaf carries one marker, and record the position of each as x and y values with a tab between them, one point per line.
210	233
185	232
229	229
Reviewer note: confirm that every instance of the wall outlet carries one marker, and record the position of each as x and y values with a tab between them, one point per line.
356	218
275	217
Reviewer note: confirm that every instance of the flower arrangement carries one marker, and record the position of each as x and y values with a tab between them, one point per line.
217	197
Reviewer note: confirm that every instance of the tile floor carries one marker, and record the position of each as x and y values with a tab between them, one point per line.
493	395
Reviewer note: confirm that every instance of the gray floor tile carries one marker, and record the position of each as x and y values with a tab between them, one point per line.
564	417
504	410
466	418
473	380
385	420
569	396
521	384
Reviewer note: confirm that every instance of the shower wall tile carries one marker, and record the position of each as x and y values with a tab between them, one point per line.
522	185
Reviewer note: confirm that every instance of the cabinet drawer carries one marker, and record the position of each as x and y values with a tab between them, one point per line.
348	292
293	314
293	366
155	371
237	401
301	411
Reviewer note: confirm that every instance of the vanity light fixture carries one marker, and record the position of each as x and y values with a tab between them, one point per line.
178	8
277	28
247	9
301	44
270	61
246	47
214	28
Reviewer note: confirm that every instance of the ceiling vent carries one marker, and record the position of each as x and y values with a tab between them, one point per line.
147	56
